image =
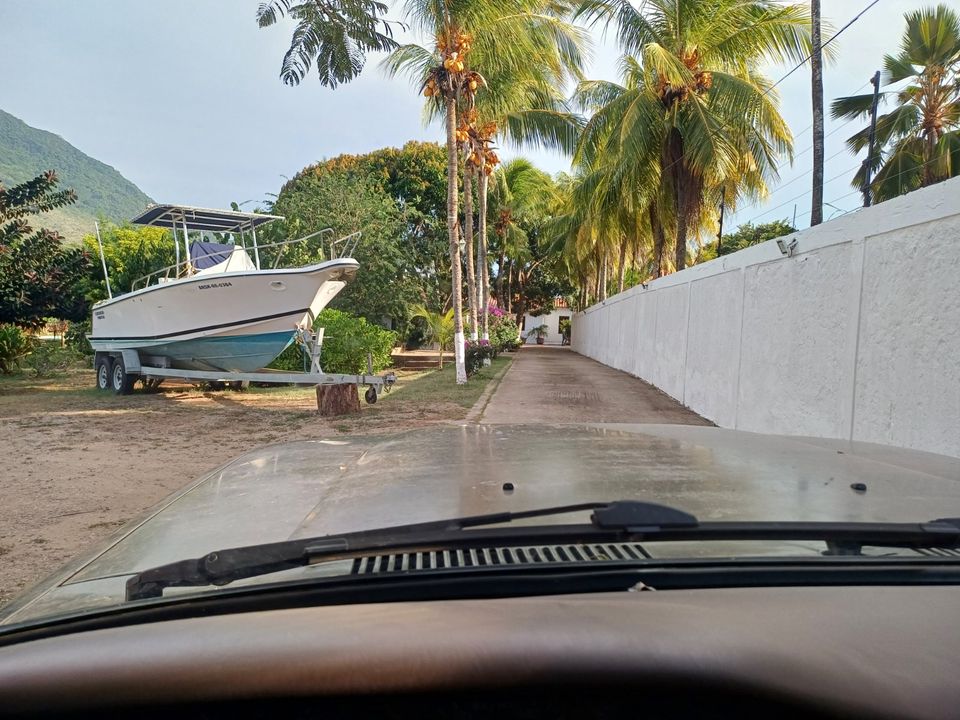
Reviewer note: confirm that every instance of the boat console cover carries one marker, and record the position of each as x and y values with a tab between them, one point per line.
211	258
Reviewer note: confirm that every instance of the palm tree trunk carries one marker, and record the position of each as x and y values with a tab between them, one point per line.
603	277
501	264
509	296
816	71
622	270
453	222
484	265
468	240
680	261
659	239
679	180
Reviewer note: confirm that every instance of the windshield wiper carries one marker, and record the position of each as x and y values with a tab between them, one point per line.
620	521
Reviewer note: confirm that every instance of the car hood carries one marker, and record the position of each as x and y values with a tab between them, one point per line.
309	488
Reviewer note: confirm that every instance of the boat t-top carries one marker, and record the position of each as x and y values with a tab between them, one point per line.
216	309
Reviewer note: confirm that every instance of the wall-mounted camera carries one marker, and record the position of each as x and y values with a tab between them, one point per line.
787	248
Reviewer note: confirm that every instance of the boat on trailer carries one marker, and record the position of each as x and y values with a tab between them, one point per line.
216	312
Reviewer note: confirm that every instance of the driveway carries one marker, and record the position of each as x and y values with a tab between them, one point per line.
551	384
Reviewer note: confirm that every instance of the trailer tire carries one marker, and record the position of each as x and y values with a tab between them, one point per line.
370	395
101	367
120	381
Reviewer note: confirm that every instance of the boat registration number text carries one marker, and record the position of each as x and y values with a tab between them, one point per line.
211	286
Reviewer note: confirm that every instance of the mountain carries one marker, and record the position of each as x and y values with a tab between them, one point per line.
25	152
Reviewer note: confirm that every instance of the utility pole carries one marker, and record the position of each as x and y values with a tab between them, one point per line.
868	163
816	68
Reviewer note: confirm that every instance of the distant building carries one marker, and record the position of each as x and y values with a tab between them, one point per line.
552	320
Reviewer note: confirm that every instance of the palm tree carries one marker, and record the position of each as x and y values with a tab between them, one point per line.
439	327
504	35
525	106
918	142
693	110
522	195
333	35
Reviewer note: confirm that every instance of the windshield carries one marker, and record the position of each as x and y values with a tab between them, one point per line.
263	303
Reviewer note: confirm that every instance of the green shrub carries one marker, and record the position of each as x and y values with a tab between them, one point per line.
346	341
76	337
14	346
48	357
293	359
503	332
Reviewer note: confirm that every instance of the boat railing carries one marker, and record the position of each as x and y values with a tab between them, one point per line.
349	244
185	268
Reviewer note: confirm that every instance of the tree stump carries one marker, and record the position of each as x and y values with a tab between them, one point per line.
338	399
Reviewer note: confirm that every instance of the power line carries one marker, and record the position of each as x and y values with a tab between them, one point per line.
833	37
794	69
757	202
860	190
803	194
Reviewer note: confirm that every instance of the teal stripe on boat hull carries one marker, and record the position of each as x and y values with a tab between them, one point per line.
232	353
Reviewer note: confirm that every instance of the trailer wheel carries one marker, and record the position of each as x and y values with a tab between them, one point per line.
370	395
121	383
102	368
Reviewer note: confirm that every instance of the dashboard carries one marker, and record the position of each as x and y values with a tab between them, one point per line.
888	651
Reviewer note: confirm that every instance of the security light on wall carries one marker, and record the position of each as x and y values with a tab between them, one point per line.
787	249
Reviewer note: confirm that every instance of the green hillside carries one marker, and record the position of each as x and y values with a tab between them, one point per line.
25	152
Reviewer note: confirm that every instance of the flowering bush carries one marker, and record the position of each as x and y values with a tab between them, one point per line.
476	353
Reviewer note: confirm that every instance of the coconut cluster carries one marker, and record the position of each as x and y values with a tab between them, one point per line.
479	141
454	48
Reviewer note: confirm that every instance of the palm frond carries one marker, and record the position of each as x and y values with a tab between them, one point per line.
546	129
852	106
901	172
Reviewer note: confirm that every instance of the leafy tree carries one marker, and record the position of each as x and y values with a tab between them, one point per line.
131	252
397	198
39	277
749	234
334	35
348	202
918	142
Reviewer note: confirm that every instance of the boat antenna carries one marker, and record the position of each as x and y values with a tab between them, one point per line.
103	260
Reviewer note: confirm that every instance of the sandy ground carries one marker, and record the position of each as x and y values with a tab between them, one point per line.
75	464
553	384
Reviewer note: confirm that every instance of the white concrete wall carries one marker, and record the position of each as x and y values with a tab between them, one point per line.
551	320
857	336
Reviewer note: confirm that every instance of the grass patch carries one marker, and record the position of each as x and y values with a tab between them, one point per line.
439	386
420	398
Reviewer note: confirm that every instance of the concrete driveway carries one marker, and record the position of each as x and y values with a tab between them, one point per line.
551	384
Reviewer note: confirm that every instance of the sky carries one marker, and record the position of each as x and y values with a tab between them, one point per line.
184	98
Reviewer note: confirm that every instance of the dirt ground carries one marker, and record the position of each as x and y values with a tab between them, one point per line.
75	463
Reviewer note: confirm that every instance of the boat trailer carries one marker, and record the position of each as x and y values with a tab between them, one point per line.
119	370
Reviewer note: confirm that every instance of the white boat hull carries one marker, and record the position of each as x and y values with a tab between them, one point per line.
232	321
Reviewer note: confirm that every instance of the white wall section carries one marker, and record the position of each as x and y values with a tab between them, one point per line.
856	336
